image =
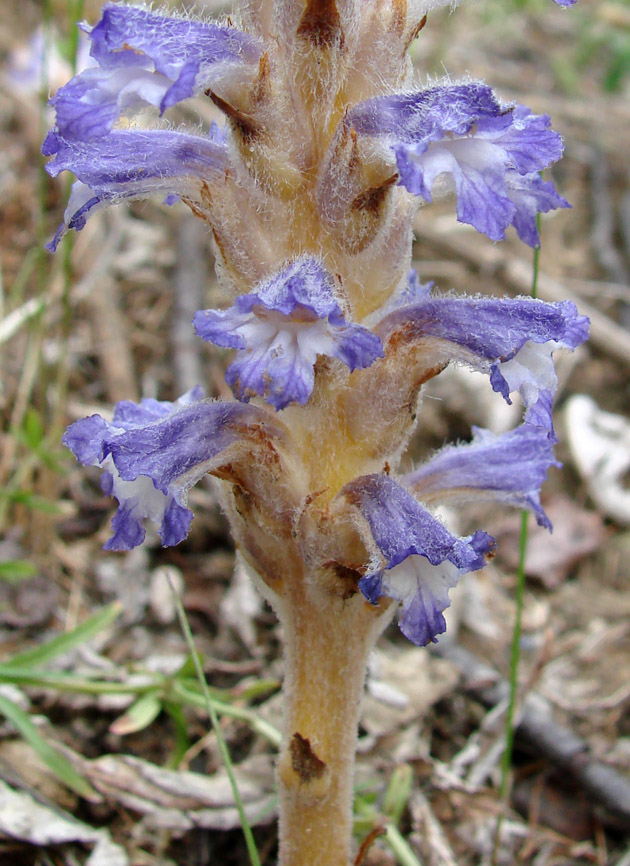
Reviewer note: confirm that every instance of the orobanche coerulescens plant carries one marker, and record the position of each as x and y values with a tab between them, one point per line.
309	189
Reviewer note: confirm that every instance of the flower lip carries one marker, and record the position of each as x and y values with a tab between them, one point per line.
147	59
511	339
279	330
426	115
401	527
125	35
460	138
153	452
420	560
508	468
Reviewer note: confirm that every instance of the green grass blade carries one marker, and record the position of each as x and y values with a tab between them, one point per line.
400	848
258	725
54	760
66	641
397	793
223	749
65	682
182	741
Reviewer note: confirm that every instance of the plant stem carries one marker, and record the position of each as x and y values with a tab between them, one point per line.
327	642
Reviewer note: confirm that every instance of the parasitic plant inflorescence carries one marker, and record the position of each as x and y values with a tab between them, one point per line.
309	189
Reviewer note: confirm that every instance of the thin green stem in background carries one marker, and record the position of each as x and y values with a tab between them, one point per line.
223	749
515	657
31	368
515	650
75	14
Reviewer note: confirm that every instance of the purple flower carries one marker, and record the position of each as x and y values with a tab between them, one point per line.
460	137
281	328
129	164
511	339
147	59
152	453
530	194
509	468
417	560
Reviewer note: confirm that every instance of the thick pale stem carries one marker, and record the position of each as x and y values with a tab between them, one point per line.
327	641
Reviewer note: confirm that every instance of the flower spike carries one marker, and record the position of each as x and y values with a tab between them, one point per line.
310	193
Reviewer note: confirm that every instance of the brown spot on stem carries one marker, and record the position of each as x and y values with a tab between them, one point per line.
222	245
228	472
365	216
195	209
430	373
354	156
320	24
304	761
345	579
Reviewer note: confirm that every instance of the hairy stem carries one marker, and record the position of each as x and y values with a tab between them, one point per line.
327	642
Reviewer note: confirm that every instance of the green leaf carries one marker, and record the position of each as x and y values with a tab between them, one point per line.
32	429
255	689
14	570
139	715
54	760
68	640
40	678
188	668
182	741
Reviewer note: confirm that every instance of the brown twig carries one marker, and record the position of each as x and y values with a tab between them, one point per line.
367	843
